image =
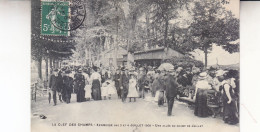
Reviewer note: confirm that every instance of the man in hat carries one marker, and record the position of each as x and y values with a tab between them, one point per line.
124	84
219	77
142	82
68	86
117	77
53	85
79	85
60	85
171	89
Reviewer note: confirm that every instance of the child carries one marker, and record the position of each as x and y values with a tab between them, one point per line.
111	89
104	90
132	92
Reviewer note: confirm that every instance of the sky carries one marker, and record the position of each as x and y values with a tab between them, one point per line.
218	55
234	7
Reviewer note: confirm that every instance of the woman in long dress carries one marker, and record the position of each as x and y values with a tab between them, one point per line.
132	91
229	98
87	87
201	108
95	80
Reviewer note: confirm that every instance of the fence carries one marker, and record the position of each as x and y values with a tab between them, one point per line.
38	88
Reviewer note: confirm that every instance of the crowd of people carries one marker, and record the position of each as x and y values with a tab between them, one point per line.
206	87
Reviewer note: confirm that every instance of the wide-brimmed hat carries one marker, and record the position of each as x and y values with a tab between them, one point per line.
220	73
141	69
170	70
79	70
203	75
179	69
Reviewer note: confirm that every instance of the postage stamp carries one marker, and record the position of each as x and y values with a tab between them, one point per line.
54	12
60	17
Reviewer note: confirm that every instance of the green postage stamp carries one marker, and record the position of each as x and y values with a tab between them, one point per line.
59	17
54	16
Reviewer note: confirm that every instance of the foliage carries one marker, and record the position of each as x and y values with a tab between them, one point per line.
212	24
44	48
184	62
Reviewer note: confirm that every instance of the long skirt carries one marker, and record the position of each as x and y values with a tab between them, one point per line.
132	92
111	90
96	91
81	95
201	108
230	112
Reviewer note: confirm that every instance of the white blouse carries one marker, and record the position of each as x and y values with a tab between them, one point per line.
95	76
203	84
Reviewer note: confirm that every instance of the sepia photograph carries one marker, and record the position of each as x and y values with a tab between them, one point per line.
135	65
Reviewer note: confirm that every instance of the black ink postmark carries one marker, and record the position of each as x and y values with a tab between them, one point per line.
73	19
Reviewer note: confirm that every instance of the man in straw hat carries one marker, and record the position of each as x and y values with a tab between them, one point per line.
171	89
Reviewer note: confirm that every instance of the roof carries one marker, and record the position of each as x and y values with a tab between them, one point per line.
150	50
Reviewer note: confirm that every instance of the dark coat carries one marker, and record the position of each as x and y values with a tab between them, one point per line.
68	84
124	81
171	86
142	82
79	81
182	80
117	80
161	83
53	83
59	82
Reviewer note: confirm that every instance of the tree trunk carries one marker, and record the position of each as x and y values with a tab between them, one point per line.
166	33
40	68
165	36
206	57
116	46
147	18
46	68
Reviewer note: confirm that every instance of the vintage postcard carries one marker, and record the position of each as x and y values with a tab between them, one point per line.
135	65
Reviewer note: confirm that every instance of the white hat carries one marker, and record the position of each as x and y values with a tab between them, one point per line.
179	69
220	73
203	75
171	69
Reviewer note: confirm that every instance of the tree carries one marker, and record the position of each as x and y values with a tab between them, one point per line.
162	12
44	48
213	24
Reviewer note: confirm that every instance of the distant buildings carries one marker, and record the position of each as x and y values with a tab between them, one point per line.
153	57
